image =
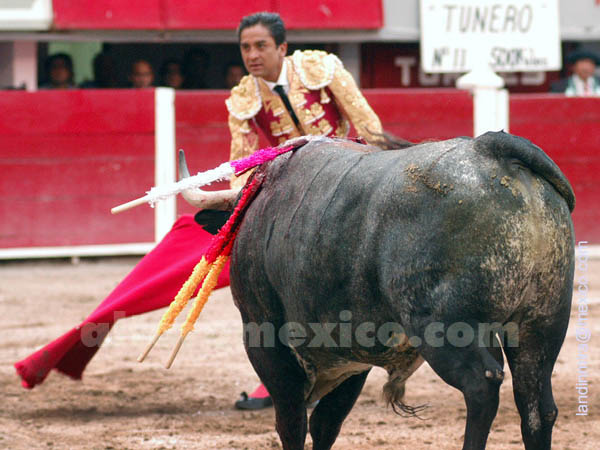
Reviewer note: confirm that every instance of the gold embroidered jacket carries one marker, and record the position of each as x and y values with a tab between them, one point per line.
322	93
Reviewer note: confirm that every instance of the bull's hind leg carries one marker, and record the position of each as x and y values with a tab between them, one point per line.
477	372
284	379
327	418
531	361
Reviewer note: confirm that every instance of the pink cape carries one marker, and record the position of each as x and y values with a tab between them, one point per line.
151	285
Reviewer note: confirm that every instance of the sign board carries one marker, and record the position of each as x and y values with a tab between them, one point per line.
509	35
25	15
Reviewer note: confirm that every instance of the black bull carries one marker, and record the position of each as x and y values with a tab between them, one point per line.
351	260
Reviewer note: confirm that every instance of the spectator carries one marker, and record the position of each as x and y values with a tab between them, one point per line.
59	72
195	63
142	74
233	74
583	82
171	74
104	73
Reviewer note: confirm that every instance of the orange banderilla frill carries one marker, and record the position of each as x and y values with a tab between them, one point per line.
206	272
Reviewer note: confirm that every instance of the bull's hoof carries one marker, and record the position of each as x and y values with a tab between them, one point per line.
251	403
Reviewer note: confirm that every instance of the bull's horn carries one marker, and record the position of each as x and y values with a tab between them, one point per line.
183	167
221	200
195	197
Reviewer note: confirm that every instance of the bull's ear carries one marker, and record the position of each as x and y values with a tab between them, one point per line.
211	219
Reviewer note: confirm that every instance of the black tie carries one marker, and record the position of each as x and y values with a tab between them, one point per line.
286	101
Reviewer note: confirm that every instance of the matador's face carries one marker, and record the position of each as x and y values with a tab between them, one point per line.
261	56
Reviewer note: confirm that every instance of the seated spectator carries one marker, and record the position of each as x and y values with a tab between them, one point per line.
104	73
141	74
195	63
171	74
583	82
59	72
233	73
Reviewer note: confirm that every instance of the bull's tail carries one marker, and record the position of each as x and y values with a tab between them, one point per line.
504	145
393	393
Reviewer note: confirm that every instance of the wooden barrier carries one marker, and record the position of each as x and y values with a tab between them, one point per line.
567	130
67	157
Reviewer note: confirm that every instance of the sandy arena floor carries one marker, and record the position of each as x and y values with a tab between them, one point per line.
123	404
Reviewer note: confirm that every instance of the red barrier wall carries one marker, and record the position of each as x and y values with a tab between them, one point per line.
201	131
567	129
66	158
419	114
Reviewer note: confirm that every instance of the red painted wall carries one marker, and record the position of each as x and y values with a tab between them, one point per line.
67	157
418	114
332	14
108	14
207	15
567	129
202	132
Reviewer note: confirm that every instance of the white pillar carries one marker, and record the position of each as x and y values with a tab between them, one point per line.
349	53
19	67
164	165
490	101
25	64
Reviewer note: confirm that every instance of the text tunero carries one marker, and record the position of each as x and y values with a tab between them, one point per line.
495	18
489	19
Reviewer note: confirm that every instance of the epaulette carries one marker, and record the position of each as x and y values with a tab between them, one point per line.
244	101
315	67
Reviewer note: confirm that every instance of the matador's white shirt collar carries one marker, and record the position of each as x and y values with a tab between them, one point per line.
282	80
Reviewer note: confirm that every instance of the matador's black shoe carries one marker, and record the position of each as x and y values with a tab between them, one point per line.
252	403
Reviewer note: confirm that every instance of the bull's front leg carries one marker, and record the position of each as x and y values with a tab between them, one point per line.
284	379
